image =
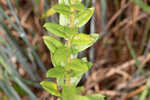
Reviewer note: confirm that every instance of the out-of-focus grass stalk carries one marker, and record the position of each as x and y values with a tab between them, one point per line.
15	76
87	3
133	54
146	8
92	30
17	5
4	82
14	51
25	88
117	4
103	4
145	37
146	91
9	90
6	63
23	36
9	50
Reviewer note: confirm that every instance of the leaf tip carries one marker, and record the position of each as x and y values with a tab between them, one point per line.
41	83
45	37
47	75
45	25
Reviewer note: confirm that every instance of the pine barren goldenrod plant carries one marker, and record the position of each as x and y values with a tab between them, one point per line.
68	69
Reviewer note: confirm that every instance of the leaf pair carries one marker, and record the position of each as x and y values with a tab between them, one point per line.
81	17
79	41
69	93
59	52
76	66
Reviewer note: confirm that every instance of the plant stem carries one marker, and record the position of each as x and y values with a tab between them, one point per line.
69	60
69	45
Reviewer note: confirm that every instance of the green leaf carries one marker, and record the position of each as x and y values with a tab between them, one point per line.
95	36
78	1
56	72
76	80
48	13
64	20
61	81
95	97
78	65
50	87
83	17
62	9
142	5
82	41
69	93
52	43
78	6
90	97
59	30
89	64
18	89
82	98
61	55
79	89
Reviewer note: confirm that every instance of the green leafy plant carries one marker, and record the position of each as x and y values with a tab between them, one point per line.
68	69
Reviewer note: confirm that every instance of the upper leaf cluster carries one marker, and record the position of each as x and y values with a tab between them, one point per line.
82	15
64	55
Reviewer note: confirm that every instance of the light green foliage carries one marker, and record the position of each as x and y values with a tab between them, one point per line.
78	67
78	6
61	55
83	17
82	98
82	41
91	97
56	72
95	97
52	43
62	9
68	69
61	31
50	87
69	93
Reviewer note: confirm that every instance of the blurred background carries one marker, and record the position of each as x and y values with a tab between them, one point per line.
121	58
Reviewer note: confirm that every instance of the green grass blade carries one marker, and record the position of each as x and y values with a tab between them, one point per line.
14	51
142	5
22	34
137	62
25	88
6	87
